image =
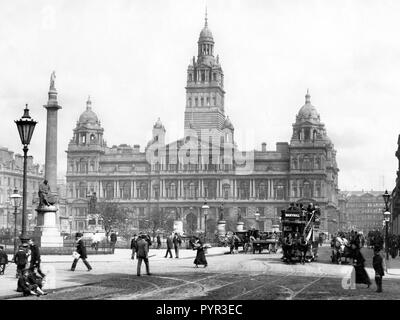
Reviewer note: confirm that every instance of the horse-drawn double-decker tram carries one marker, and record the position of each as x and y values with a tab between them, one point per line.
299	233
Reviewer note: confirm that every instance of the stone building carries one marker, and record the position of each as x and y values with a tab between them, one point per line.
166	181
11	177
395	198
363	210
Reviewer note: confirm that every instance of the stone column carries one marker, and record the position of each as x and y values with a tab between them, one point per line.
48	231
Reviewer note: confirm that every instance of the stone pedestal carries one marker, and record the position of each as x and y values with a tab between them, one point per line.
178	227
239	226
48	230
221	227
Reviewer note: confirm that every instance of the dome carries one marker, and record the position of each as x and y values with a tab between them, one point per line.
308	111
228	124
206	35
158	124
88	115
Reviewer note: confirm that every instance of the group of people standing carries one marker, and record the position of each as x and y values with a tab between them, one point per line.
140	249
29	274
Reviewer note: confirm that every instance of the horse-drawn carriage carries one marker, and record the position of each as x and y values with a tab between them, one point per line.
265	240
299	236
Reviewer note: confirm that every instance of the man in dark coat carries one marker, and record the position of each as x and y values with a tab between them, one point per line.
21	259
35	258
158	242
3	260
81	250
377	263
113	240
143	254
177	242
134	246
170	245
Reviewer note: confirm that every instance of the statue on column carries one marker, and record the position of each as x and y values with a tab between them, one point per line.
52	78
221	212
45	198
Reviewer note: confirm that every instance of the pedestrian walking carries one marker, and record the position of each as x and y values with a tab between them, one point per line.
3	260
377	263
134	246
170	245
158	242
359	266
113	240
143	254
21	259
200	256
80	253
35	258
177	243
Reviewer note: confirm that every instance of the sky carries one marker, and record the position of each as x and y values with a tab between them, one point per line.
131	57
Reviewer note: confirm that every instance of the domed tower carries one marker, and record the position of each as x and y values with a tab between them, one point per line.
205	87
87	140
313	168
228	131
159	132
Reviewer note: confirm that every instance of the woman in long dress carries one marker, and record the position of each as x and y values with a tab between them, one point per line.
200	256
359	261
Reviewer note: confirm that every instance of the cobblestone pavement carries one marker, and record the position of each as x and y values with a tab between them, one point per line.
228	277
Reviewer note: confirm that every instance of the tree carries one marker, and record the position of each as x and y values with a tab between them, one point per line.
113	216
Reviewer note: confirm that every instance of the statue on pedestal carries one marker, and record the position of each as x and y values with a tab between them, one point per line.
45	197
221	213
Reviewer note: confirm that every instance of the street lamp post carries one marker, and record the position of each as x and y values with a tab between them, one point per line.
386	197
205	209
16	202
26	126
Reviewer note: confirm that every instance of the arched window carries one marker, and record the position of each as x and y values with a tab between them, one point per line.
307	134
92	138
201	101
82	190
280	192
125	190
192	190
109	190
190	102
143	191
226	190
262	191
306	163
172	191
307	191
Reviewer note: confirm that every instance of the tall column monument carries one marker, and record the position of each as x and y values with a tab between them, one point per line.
47	209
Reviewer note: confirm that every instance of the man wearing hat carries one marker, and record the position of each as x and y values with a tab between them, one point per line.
35	258
142	253
3	260
377	263
134	246
21	258
81	250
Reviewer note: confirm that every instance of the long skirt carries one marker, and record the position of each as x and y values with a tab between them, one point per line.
362	275
200	258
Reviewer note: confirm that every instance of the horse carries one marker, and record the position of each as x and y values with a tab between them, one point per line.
340	248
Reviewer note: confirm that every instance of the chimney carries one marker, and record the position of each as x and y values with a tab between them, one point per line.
263	147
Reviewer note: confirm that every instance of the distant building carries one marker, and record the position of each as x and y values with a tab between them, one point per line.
11	176
171	180
395	198
363	210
